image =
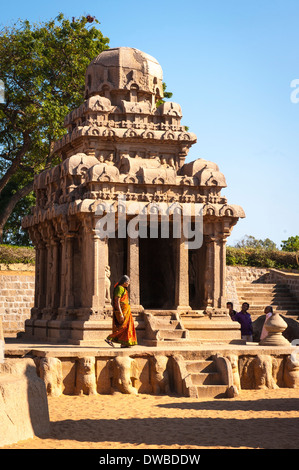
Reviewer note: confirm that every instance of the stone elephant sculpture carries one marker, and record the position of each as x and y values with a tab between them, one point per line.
123	373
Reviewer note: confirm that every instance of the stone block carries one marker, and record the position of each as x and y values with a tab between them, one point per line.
23	402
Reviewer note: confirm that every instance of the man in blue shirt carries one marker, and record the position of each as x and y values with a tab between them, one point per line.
244	318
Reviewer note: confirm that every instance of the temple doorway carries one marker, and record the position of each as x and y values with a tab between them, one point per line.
197	267
157	273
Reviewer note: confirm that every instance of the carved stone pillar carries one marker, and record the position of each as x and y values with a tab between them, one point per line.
69	295
133	272
36	239
182	275
215	275
212	276
55	274
62	273
222	273
66	234
100	261
42	275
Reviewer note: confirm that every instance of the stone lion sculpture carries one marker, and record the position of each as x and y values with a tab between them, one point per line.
85	376
159	374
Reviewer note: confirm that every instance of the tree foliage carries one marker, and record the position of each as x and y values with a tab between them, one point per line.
291	244
251	242
43	70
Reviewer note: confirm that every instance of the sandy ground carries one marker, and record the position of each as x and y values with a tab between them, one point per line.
255	419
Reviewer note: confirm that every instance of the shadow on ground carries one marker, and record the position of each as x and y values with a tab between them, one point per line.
187	431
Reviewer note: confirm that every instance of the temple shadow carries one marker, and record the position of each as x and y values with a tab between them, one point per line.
193	431
264	404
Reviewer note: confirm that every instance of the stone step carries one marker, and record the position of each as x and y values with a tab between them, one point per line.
280	306
211	391
264	294
209	378
200	366
260	287
272	285
169	343
167	324
284	307
205	378
172	334
252	293
162	313
260	295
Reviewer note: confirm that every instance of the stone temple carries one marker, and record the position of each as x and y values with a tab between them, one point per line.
121	146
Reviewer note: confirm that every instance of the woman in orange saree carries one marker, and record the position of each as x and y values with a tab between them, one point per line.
123	328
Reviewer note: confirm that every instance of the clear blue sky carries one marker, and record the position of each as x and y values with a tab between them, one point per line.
229	64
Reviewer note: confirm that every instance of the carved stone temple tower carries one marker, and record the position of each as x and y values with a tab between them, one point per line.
119	144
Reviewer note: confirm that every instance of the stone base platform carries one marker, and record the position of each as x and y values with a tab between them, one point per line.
153	328
194	370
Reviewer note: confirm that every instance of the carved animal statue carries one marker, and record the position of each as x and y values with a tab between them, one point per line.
123	370
85	377
159	374
265	372
50	370
234	360
291	371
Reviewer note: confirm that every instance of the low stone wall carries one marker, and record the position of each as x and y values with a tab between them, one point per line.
163	372
16	296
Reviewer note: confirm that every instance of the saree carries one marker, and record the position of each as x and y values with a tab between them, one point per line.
123	333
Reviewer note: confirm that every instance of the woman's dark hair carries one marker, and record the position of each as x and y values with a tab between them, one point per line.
123	279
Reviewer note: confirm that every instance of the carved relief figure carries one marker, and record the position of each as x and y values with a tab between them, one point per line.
107	284
159	374
265	372
291	371
85	376
234	359
110	159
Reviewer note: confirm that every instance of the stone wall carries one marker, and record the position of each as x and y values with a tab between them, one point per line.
16	296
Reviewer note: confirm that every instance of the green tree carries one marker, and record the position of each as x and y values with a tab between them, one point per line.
167	95
291	244
248	241
43	70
